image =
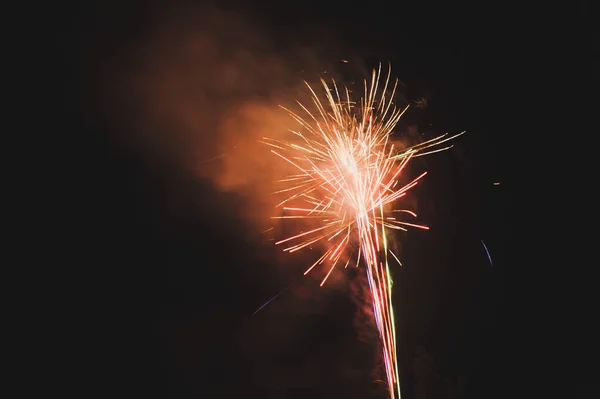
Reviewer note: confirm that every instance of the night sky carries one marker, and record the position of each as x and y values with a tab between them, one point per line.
173	269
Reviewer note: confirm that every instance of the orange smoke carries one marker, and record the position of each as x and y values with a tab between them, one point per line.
200	89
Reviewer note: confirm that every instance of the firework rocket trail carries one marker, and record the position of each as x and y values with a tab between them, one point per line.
346	178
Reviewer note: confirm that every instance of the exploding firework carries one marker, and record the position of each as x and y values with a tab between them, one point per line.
346	179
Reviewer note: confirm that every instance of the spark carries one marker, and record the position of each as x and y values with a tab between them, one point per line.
270	300
214	158
487	253
421	102
347	179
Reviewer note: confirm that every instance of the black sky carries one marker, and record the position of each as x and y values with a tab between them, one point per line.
173	277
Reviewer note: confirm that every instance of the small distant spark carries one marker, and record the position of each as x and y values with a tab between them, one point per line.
488	253
421	102
214	158
270	300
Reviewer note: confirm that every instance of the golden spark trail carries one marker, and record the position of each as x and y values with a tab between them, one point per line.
346	181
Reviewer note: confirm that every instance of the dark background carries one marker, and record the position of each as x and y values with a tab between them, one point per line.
169	299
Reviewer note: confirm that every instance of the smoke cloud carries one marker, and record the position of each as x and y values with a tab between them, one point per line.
203	86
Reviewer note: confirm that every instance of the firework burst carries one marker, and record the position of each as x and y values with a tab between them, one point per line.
346	181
